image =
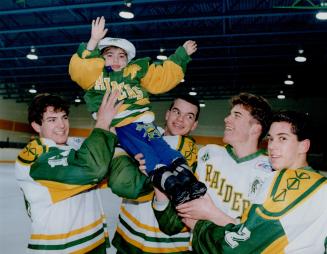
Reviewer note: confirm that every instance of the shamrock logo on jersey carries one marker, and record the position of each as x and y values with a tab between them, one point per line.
205	157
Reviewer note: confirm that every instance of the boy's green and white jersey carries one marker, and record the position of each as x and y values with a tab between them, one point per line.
139	78
60	186
220	169
138	230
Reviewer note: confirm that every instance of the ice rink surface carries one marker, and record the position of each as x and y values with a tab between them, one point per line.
14	222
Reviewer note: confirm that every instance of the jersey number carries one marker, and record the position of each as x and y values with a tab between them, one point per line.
232	238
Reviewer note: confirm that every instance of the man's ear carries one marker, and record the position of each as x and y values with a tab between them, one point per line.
36	127
256	129
195	124
304	146
167	114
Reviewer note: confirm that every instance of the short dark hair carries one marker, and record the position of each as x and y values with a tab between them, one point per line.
190	99
300	122
40	103
258	107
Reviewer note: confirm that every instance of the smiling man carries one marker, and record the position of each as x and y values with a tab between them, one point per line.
289	214
232	173
138	231
60	178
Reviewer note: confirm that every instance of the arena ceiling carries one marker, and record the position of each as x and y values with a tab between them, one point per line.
244	45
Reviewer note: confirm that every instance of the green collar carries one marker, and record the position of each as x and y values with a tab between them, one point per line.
230	151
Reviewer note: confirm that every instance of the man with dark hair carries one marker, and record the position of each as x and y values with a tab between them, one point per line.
233	173
288	214
60	178
40	103
138	231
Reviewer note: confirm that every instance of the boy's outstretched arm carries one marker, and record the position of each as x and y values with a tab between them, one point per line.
98	31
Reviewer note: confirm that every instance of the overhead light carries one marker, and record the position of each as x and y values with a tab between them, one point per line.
161	56
289	80
321	15
202	104
183	80
32	54
126	11
281	95
77	99
193	92
300	57
32	90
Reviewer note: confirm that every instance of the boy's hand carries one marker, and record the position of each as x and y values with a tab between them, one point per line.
98	31
108	110
190	47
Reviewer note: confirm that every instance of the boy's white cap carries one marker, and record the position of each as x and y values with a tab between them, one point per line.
120	43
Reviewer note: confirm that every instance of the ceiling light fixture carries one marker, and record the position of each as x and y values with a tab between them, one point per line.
202	104
32	90
289	80
281	95
32	54
183	80
126	11
300	58
161	56
77	99
193	92
322	15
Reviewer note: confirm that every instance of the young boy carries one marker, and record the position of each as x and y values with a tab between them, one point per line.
104	64
289	214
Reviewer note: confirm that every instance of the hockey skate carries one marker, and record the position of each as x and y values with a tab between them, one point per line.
187	179
163	179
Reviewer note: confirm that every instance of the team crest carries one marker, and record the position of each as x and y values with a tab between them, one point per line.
205	157
189	151
255	186
31	152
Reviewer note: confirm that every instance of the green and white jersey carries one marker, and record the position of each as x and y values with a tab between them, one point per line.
139	78
138	230
60	186
232	182
288	216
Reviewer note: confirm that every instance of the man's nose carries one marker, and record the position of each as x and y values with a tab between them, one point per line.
61	123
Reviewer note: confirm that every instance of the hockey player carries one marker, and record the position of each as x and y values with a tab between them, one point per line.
288	214
60	178
105	64
137	230
232	173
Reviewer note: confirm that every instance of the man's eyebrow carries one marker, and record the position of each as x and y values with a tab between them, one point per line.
237	113
50	117
279	134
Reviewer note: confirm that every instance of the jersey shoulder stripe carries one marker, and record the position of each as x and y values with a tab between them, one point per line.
289	188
